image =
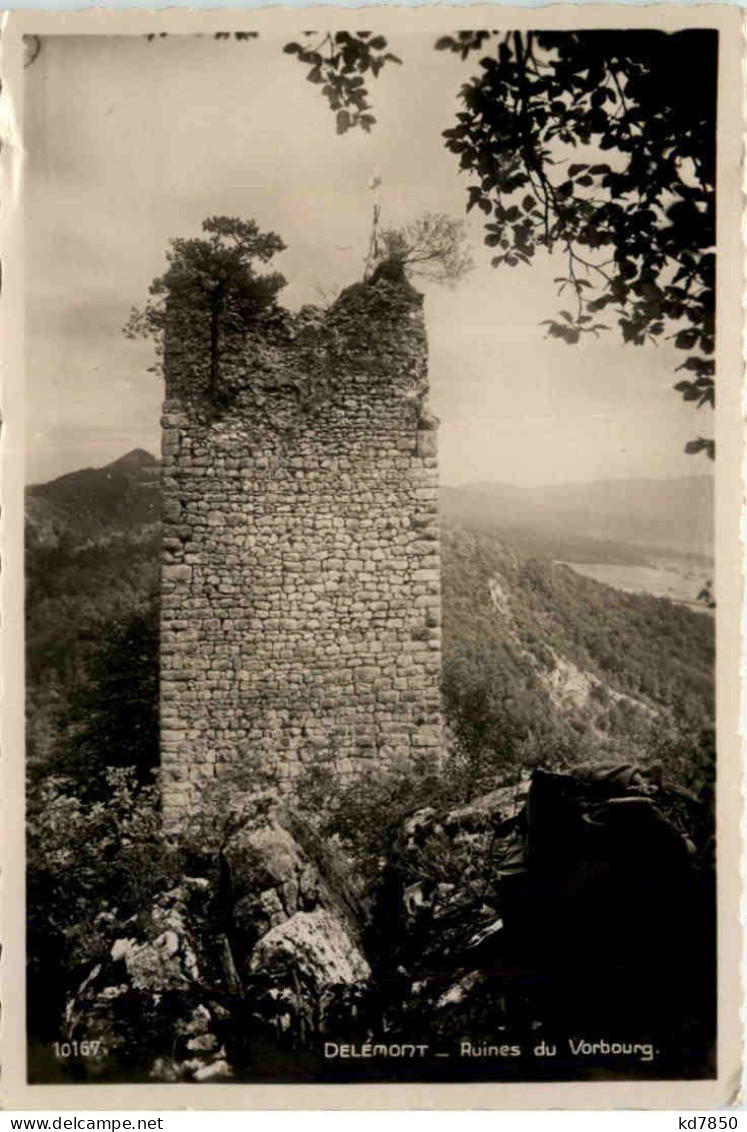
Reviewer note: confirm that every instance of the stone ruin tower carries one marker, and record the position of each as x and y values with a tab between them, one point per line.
300	605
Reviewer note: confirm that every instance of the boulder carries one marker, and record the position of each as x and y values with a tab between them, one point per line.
274	870
493	809
317	946
295	926
267	879
149	985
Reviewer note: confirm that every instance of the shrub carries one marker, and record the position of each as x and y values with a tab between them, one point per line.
242	793
365	815
90	866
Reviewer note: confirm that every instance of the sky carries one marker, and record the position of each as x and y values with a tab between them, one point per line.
130	143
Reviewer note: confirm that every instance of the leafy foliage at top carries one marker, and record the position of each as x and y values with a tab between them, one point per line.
601	144
211	290
337	62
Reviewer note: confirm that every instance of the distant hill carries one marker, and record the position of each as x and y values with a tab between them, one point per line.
611	521
95	503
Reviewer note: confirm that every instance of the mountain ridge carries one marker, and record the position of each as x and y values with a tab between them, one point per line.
632	517
600	521
95	503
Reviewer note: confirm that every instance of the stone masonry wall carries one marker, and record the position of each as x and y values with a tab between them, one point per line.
301	576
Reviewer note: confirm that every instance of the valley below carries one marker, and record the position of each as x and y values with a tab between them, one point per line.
680	582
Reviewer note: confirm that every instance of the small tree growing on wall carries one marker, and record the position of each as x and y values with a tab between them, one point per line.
433	247
211	290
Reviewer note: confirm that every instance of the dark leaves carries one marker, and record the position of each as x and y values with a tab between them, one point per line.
239	36
702	391
702	444
464	42
638	231
337	62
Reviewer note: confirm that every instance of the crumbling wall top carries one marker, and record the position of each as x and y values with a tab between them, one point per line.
372	336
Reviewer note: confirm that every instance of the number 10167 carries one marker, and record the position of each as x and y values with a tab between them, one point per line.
92	1048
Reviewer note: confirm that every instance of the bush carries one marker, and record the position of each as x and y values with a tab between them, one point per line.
90	866
112	720
243	793
365	815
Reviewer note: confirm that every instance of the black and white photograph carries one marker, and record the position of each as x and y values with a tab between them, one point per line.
375	377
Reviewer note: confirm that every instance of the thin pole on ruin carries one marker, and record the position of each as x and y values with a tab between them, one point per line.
373	244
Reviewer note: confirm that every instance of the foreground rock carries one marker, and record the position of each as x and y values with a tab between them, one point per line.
316	946
573	900
558	901
198	977
149	995
297	920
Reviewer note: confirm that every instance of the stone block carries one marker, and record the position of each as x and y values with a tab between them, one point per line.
427	443
176	573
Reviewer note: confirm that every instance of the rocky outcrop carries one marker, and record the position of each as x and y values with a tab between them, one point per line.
148	1002
271	953
552	902
295	913
268	879
316	946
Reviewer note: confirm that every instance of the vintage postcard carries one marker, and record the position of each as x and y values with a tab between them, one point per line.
371	569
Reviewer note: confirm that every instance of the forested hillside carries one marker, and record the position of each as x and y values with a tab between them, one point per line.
549	667
92	550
